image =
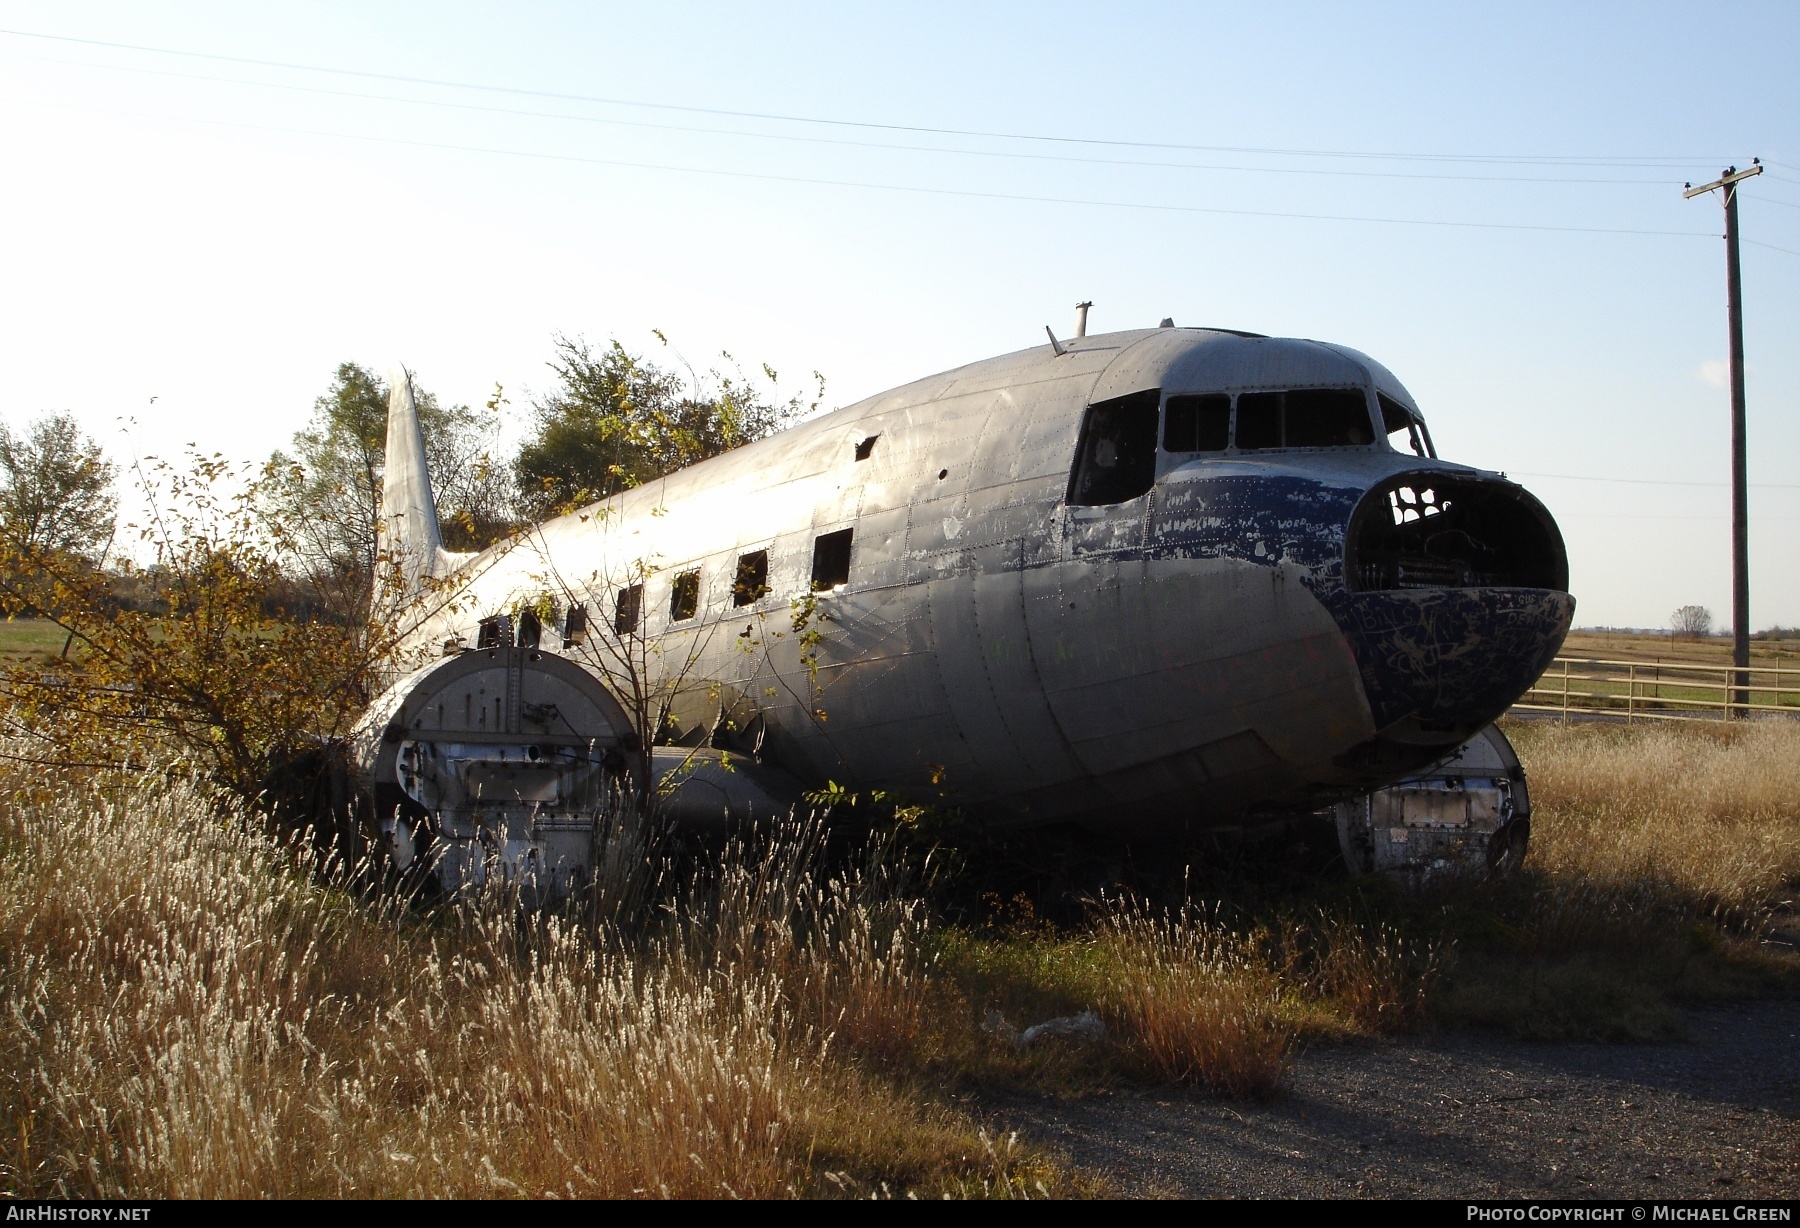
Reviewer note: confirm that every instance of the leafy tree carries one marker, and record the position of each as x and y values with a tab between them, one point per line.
56	489
329	491
219	675
615	421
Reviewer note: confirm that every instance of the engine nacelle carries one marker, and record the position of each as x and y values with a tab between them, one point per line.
1470	814
499	762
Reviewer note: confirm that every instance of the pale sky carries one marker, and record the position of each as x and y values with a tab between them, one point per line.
219	234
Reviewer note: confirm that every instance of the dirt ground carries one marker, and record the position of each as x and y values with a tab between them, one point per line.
1465	1116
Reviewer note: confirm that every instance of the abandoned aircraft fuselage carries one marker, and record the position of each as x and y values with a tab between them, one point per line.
1160	577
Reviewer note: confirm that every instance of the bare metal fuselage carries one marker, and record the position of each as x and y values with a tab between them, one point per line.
1189	654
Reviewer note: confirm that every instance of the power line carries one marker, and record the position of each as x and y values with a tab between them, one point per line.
1652	161
890	187
1759	243
855	144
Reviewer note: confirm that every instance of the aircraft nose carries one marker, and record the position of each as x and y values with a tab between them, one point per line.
1448	661
1455	599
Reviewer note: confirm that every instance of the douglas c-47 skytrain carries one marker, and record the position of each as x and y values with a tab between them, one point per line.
1146	582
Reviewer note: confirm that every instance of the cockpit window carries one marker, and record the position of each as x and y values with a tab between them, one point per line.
1397	420
1303	418
1197	423
1117	458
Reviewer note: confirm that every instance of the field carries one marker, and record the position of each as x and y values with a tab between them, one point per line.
1651	647
190	1010
29	637
1633	674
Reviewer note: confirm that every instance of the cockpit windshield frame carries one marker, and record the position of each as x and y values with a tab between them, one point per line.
1185	412
1396	417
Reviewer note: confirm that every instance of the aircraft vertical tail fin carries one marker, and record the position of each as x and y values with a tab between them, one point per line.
413	546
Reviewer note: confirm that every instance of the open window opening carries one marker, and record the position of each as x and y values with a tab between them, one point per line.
866	448
1304	418
1442	531
831	560
495	632
575	626
1116	459
1197	423
1403	427
531	629
684	596
628	609
752	580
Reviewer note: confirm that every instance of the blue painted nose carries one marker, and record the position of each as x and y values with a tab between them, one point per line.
1455	597
1452	659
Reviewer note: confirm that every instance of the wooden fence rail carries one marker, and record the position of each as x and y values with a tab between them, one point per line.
1659	691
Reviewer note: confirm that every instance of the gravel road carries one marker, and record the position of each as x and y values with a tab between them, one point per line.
1461	1116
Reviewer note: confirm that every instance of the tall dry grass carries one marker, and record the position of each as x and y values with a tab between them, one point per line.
189	1013
1660	854
1362	976
1208	997
1202	1003
1710	813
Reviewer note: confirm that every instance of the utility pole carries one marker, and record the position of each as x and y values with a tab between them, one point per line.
1740	497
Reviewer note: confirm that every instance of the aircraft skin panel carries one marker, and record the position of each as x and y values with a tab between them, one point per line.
1103	531
1013	675
1217	640
1047	445
990	681
934	530
1004	514
1269	691
1178	361
968	684
880	545
877	672
1082	363
1384	380
1193	649
902	754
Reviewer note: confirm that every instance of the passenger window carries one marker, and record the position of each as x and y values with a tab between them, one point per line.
831	560
1303	418
628	608
1197	423
684	596
575	626
1116	460
531	630
1396	419
495	632
752	578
